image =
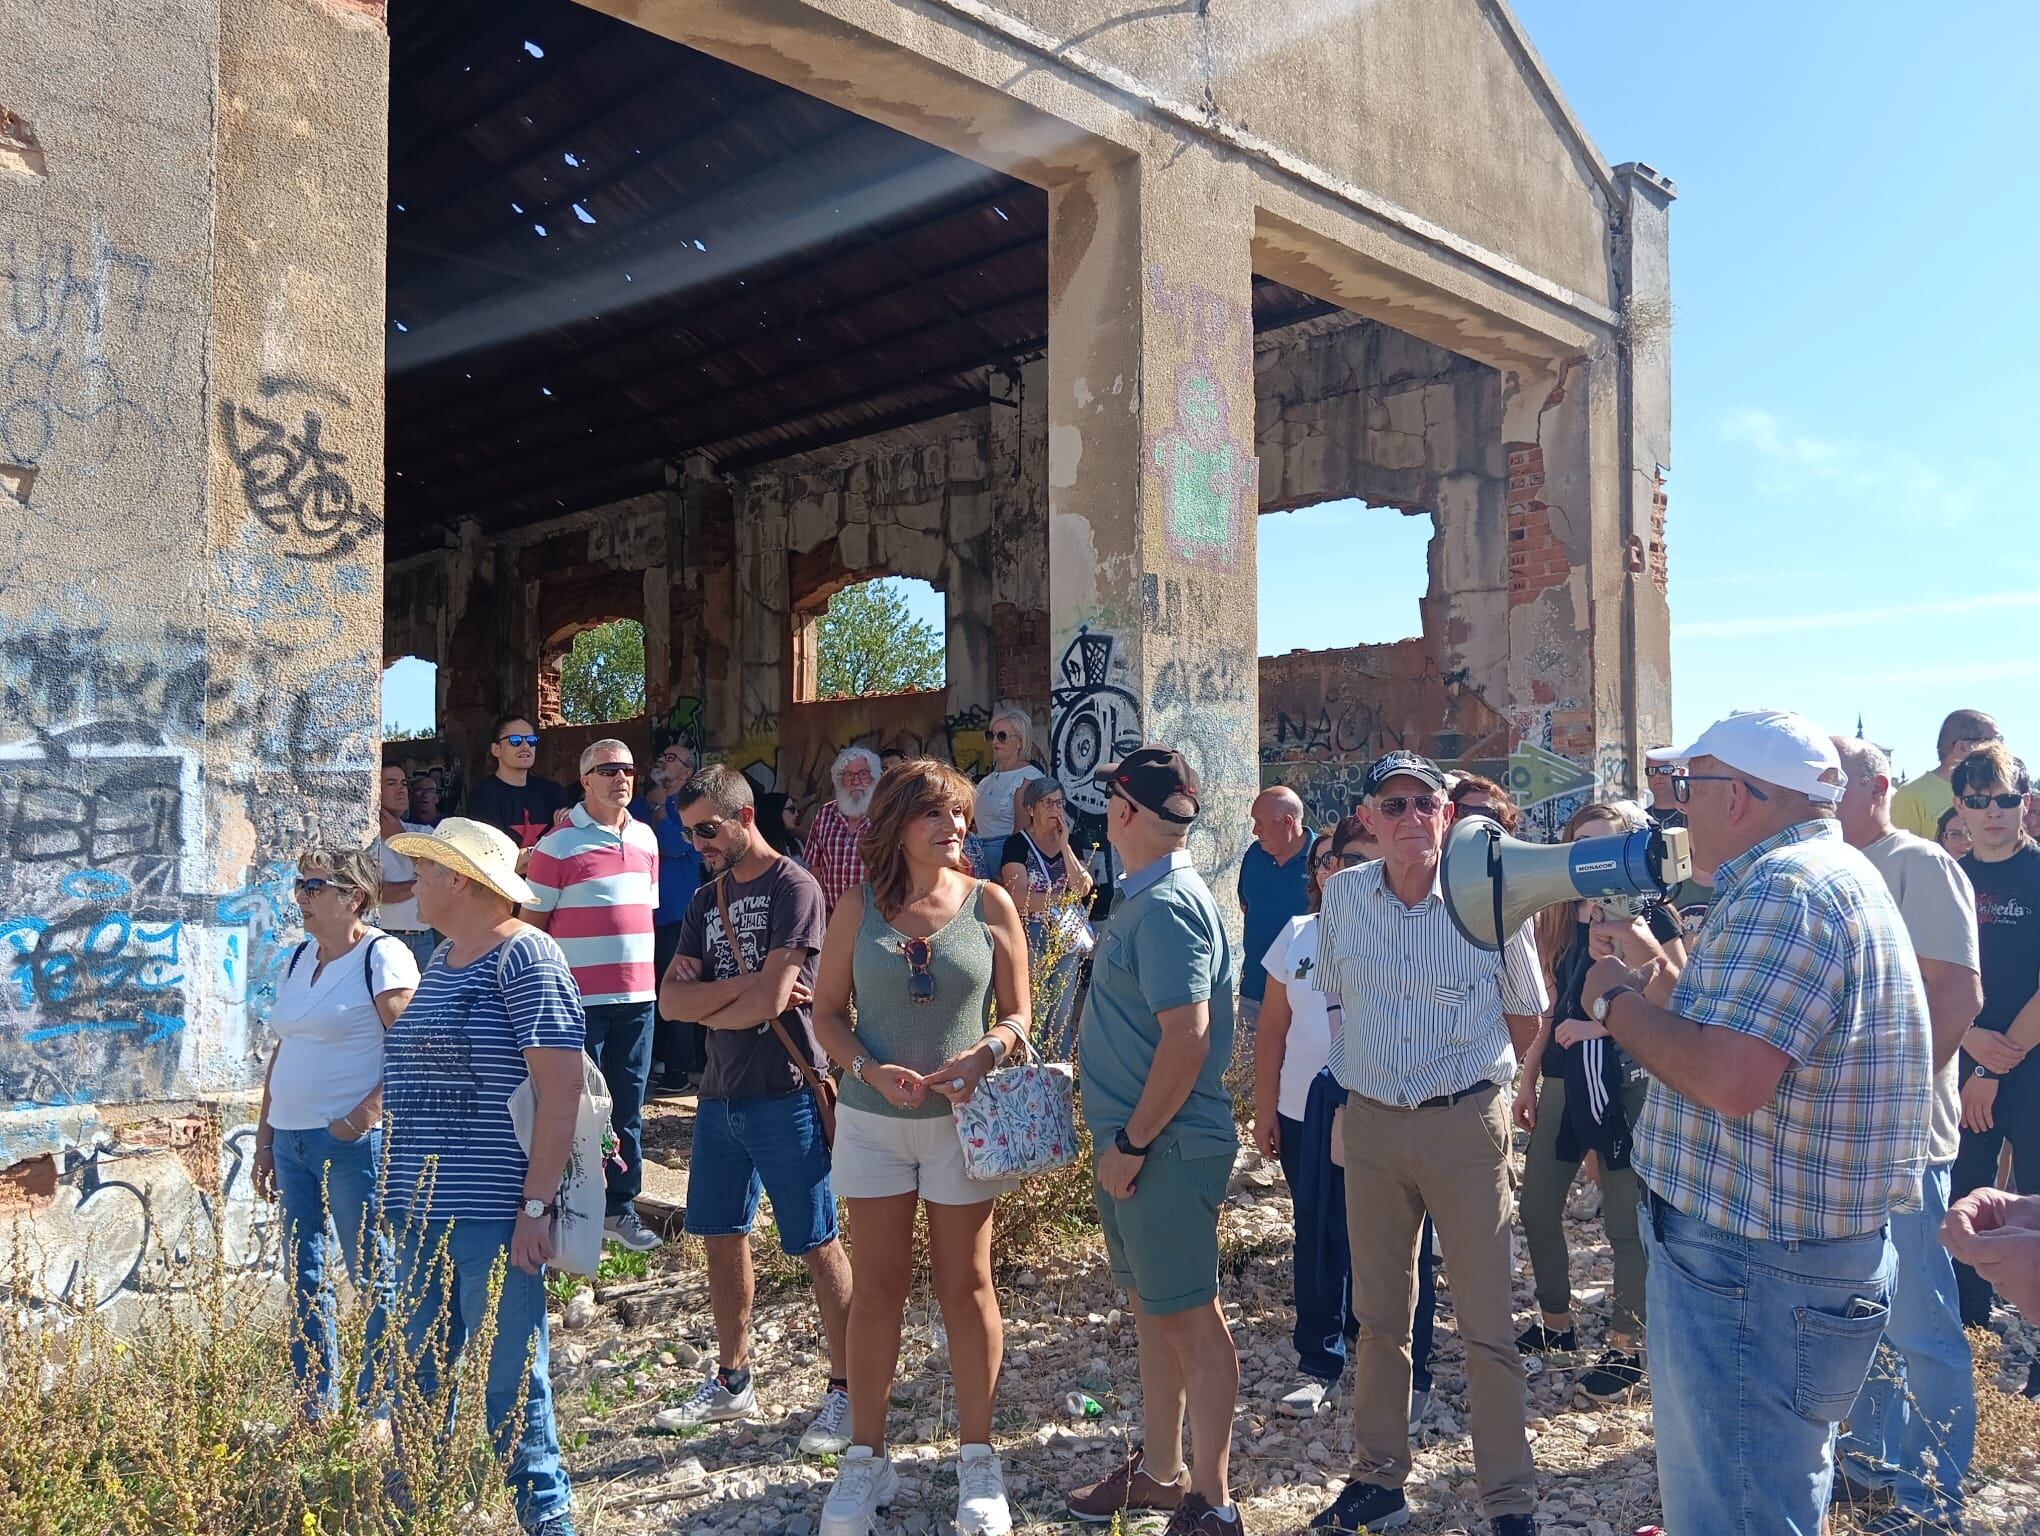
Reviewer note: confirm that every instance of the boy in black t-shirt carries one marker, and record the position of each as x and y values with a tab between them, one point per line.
2000	1069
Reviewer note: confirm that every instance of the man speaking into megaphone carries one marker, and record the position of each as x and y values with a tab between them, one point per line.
1788	1117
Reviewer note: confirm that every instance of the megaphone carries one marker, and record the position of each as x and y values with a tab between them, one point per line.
1492	882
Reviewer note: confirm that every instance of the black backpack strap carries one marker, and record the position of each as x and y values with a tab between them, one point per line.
291	969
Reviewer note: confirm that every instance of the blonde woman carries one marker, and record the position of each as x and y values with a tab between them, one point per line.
998	809
318	1143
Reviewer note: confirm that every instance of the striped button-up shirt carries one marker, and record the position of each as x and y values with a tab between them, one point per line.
1805	950
1423	1007
832	852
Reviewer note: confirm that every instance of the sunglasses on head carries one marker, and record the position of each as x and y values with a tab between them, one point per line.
614	770
519	741
920	981
2002	802
1395	805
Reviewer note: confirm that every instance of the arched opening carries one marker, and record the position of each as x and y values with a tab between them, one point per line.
870	639
593	674
410	700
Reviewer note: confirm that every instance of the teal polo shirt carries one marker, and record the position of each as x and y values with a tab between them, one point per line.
1165	947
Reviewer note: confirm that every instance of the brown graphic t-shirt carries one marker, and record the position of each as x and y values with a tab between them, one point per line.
781	909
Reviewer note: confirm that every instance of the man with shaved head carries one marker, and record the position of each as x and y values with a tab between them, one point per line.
1274	887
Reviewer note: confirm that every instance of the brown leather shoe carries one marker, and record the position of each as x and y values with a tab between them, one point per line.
1195	1517
1127	1489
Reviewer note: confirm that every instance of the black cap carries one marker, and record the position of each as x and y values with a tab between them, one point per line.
1412	764
1152	776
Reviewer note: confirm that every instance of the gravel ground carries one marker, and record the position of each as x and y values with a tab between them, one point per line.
625	1351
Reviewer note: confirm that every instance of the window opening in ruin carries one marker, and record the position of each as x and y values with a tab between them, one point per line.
410	700
1341	573
594	674
872	638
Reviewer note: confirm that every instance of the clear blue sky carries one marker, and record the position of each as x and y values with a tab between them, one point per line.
1853	251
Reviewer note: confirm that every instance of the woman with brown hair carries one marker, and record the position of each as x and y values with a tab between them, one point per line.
923	950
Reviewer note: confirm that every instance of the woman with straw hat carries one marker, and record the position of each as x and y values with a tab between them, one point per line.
496	1006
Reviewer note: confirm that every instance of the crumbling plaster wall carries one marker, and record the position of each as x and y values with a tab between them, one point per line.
191	573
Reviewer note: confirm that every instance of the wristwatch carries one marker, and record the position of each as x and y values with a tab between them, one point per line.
537	1208
1984	1072
1601	1003
1125	1145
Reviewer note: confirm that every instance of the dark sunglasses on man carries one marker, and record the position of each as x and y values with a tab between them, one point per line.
704	831
1395	806
615	770
2002	802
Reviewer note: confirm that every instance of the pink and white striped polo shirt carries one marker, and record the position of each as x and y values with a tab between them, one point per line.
601	888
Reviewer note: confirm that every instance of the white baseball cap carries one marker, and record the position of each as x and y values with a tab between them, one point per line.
1774	745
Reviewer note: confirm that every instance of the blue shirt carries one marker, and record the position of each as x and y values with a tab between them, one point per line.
1271	895
679	864
450	1064
1164	948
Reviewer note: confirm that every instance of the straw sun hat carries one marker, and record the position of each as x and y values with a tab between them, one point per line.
471	848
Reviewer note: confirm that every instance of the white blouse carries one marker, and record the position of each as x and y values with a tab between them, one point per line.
329	1050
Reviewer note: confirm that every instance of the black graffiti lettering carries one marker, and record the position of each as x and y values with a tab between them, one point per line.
295	484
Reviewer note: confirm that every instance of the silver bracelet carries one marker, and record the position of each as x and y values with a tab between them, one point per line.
999	1047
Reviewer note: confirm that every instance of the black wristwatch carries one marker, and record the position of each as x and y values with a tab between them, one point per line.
1125	1145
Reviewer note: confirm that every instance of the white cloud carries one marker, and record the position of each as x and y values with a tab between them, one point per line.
1894	483
1889	613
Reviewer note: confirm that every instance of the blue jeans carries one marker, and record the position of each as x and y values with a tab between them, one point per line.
1918	1409
443	1273
317	1176
421	942
1757	1350
620	1043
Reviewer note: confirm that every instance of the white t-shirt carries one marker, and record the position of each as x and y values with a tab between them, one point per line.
1290	960
395	869
329	1050
995	800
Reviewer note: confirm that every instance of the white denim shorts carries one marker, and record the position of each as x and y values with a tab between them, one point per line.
877	1156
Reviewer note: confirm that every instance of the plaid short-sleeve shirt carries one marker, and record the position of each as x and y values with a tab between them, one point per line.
832	852
1805	950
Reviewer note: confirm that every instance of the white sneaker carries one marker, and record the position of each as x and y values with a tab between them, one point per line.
828	1432
625	1228
865	1485
981	1508
712	1403
1306	1400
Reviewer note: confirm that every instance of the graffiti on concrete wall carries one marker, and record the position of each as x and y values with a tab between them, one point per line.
1206	467
293	478
1094	719
1196	706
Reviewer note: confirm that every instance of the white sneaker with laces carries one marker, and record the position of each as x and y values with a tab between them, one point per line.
1305	1401
712	1403
828	1432
865	1484
981	1508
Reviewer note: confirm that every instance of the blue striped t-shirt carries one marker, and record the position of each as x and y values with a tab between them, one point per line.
450	1064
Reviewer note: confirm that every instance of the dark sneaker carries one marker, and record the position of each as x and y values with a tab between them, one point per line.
1513	1525
1364	1506
2033	1379
1126	1490
1195	1517
1540	1340
625	1228
1615	1374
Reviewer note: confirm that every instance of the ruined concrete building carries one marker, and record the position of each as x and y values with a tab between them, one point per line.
337	331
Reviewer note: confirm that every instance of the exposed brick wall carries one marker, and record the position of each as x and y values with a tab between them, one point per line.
1021	669
1660	564
1537	558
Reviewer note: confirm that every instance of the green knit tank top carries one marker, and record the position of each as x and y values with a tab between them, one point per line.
921	1035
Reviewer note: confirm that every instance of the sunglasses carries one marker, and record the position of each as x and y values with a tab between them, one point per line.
311	885
1324	861
2002	802
920	982
702	831
518	741
614	770
1396	805
1682	785
1004	736
1353	860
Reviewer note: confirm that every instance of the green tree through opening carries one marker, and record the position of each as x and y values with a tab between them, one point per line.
603	677
867	642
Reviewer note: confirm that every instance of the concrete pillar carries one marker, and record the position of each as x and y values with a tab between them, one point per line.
1646	277
191	468
1152	481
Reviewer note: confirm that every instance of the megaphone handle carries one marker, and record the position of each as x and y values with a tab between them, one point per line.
1494	870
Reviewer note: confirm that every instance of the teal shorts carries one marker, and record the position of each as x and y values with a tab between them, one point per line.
1163	1238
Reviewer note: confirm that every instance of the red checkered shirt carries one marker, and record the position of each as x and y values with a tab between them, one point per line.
831	852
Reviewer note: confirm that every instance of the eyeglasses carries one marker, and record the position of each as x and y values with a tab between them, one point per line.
702	831
1682	785
519	741
1324	861
2002	802
311	885
1395	806
614	770
920	981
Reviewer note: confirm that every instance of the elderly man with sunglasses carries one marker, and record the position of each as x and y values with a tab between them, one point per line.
594	881
1792	1086
1433	1027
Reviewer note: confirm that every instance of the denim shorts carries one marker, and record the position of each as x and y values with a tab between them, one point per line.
773	1143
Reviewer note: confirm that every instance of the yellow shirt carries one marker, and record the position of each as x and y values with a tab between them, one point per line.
1916	805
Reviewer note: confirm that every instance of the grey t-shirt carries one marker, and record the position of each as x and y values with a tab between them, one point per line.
1939	907
1165	948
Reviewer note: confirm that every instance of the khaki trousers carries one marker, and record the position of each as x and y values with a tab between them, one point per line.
1453	1162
